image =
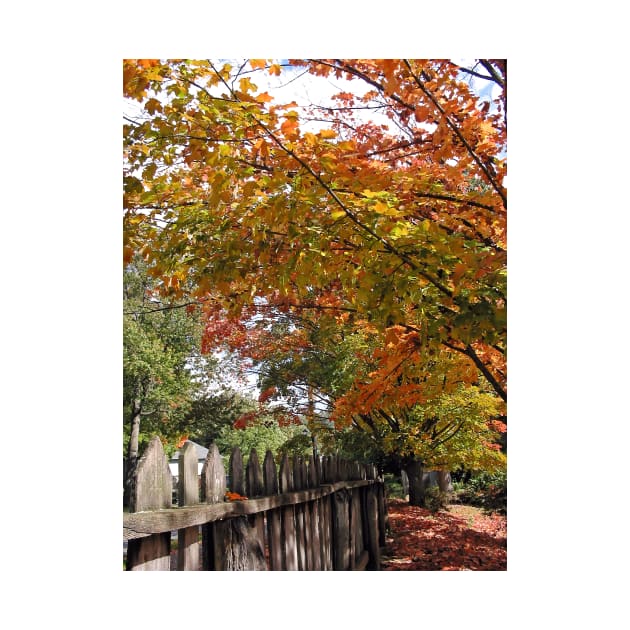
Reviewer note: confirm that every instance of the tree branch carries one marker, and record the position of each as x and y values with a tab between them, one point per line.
351	215
459	134
470	352
467	202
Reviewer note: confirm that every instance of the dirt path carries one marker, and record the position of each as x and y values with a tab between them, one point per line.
460	539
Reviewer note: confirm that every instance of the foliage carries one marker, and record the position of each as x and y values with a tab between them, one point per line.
485	490
300	445
333	375
358	260
453	429
263	434
436	499
233	199
393	486
160	371
211	413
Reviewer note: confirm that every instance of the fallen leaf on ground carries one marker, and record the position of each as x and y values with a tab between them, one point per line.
460	539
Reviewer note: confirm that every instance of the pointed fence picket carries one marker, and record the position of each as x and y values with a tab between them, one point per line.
315	514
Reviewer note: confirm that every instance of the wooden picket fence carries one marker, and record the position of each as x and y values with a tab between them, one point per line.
323	514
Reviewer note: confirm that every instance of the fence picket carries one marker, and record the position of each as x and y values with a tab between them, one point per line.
270	476
341	531
237	480
213	491
152	490
299	515
243	550
188	546
314	508
373	529
255	485
255	488
290	553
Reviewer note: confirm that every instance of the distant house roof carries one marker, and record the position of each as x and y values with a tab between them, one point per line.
202	452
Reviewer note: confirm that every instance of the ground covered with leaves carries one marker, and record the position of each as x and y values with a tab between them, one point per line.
462	538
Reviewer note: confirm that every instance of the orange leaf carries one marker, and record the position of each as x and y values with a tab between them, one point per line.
290	128
234	496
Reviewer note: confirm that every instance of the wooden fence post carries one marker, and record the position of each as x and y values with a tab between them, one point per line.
300	534
188	547
340	521
288	518
314	508
274	534
237	478
371	510
328	474
213	491
243	549
383	519
356	527
255	488
152	490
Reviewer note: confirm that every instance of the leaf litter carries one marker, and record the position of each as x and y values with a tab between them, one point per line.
462	538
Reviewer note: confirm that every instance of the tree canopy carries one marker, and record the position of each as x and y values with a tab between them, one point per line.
382	210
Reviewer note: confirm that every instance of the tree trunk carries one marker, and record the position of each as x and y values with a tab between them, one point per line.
132	451
404	480
444	481
414	472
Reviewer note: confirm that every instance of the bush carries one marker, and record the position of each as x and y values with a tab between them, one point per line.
436	500
393	486
485	490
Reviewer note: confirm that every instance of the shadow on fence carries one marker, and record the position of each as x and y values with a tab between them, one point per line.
322	514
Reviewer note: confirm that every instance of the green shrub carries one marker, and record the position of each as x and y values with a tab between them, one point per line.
393	486
436	500
485	490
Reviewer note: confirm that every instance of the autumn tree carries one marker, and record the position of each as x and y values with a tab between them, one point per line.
405	413
385	204
162	366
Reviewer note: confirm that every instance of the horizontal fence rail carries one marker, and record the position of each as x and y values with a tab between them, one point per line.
314	514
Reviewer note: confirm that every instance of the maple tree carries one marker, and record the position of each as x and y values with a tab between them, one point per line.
405	413
384	209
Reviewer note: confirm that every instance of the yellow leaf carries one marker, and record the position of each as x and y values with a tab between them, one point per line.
310	139
337	214
347	145
326	134
400	229
383	208
257	63
246	85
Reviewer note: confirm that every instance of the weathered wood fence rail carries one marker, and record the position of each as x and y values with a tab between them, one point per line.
322	514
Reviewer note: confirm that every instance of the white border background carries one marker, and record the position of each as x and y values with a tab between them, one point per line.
61	368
